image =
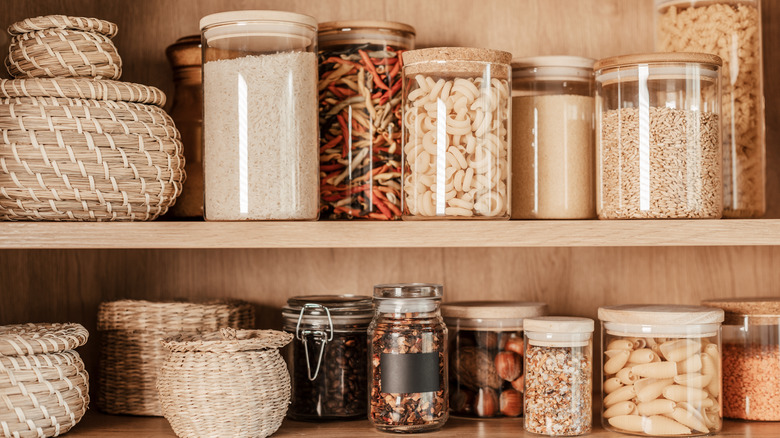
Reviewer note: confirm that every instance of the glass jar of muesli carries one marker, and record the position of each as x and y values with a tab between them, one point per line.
558	375
408	359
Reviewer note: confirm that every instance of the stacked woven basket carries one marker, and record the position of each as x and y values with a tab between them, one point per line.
77	145
44	388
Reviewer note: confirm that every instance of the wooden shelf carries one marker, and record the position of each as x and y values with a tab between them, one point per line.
427	234
97	425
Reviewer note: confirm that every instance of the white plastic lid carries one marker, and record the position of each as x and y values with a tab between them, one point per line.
256	15
558	324
661	320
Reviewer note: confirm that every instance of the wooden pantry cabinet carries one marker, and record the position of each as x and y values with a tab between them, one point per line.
60	272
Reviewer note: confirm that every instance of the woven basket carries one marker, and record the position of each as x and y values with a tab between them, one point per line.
229	383
131	351
44	388
60	46
86	150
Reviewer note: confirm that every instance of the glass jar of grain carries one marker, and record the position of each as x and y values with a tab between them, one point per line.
456	134
661	369
552	138
658	136
730	29
261	158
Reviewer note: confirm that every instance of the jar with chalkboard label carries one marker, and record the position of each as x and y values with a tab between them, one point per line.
408	359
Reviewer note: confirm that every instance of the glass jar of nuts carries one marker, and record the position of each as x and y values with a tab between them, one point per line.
486	356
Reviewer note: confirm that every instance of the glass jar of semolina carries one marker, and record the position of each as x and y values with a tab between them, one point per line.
661	369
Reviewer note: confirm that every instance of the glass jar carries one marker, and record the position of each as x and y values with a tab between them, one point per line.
187	112
360	118
687	26
328	358
408	359
661	370
486	356
260	116
751	358
552	138
456	134
658	136
558	375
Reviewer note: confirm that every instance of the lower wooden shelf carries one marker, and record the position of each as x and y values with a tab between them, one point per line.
99	425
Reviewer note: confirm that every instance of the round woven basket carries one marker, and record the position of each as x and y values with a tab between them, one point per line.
54	46
86	150
44	388
229	383
131	350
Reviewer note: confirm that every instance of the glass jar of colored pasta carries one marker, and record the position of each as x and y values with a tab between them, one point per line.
457	153
661	369
360	118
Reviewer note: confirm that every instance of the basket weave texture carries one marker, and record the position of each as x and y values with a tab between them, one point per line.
86	150
131	350
61	46
229	383
44	388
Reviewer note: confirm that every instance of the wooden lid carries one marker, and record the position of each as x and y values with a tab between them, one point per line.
660	315
185	52
330	26
657	58
457	54
559	324
29	339
493	309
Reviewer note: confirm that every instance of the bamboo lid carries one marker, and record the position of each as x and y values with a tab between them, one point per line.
457	54
493	309
762	310
330	26
559	324
660	315
657	58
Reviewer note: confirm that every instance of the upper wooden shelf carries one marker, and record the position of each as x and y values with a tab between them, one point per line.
427	234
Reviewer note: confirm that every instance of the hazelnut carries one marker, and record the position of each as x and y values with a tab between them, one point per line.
514	344
519	384
511	403
486	404
508	365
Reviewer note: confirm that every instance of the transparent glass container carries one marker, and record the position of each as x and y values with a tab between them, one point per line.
457	138
486	356
658	142
751	358
408	359
553	157
558	375
688	26
328	358
661	369
187	112
360	118
260	124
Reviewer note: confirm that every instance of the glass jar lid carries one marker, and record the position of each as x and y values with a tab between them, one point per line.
552	68
324	310
760	310
661	320
407	297
508	315
366	32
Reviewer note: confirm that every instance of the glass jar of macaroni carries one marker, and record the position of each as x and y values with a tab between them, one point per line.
751	358
457	139
658	142
558	375
486	356
730	29
552	138
661	369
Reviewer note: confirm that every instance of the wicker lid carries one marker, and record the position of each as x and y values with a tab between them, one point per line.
330	26
28	339
267	16
173	316
660	315
43	22
229	340
185	52
82	88
559	324
493	309
457	54
657	58
762	310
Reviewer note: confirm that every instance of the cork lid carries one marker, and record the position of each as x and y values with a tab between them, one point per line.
330	26
658	58
457	54
660	315
762	310
559	324
493	309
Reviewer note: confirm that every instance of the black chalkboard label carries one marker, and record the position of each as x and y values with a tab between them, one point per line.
410	373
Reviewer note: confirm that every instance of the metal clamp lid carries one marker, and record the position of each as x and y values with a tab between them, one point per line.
323	337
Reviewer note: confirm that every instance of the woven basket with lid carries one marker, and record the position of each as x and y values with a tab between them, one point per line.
44	388
229	383
131	352
61	46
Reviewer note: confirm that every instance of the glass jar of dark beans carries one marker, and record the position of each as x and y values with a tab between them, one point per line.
328	357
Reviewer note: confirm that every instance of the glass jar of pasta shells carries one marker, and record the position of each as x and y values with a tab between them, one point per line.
456	134
661	369
730	29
